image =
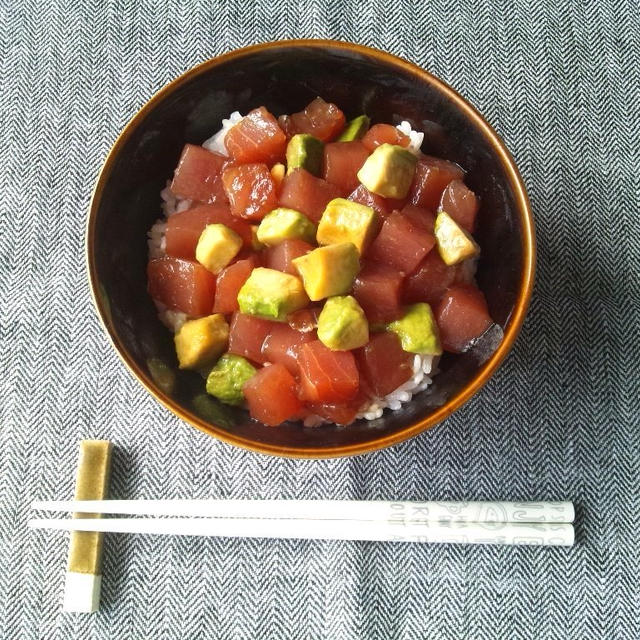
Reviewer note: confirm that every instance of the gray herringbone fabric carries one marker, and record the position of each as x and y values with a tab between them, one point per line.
560	81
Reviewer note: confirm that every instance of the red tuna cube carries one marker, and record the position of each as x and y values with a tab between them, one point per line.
462	316
256	138
377	289
461	204
251	190
430	180
282	346
384	134
247	334
307	194
327	376
319	118
197	176
229	282
271	395
181	285
342	161
402	242
282	255
384	364
429	281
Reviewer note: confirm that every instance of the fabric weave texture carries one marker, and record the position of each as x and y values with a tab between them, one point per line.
560	420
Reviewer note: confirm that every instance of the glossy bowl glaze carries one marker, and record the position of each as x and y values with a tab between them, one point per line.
285	76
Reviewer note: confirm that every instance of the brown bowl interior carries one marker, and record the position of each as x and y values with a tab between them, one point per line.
284	78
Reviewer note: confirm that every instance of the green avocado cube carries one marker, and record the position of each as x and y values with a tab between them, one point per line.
200	342
285	224
226	379
271	294
346	221
455	244
388	171
328	271
217	247
305	152
342	324
162	374
417	330
355	129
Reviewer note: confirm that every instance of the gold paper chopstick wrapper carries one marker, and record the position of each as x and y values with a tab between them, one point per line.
84	569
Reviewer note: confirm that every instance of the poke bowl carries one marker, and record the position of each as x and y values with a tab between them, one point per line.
310	248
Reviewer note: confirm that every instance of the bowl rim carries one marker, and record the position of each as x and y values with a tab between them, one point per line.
485	372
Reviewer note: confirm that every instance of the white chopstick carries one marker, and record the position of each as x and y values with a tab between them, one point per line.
505	533
315	510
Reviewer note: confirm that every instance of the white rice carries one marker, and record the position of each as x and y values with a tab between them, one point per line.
415	137
216	142
173	320
424	366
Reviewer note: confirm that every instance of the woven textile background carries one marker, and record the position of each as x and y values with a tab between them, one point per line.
560	81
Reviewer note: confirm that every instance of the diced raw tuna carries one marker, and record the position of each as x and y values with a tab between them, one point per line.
420	216
327	376
306	193
319	118
282	346
247	334
184	229
377	289
271	395
286	125
342	161
339	413
256	138
197	176
429	281
461	204
345	412
384	133
430	180
401	243
229	282
181	285
305	320
383	206
281	256
462	316
251	190
384	364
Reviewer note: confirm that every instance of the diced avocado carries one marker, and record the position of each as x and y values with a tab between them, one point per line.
217	247
305	152
200	342
346	221
417	330
355	129
206	407
328	271
388	171
454	243
256	245
226	379
162	374
342	324
277	173
285	224
271	294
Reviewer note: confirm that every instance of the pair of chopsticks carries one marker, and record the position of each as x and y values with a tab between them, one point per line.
504	523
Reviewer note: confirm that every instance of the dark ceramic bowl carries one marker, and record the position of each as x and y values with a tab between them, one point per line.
285	76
